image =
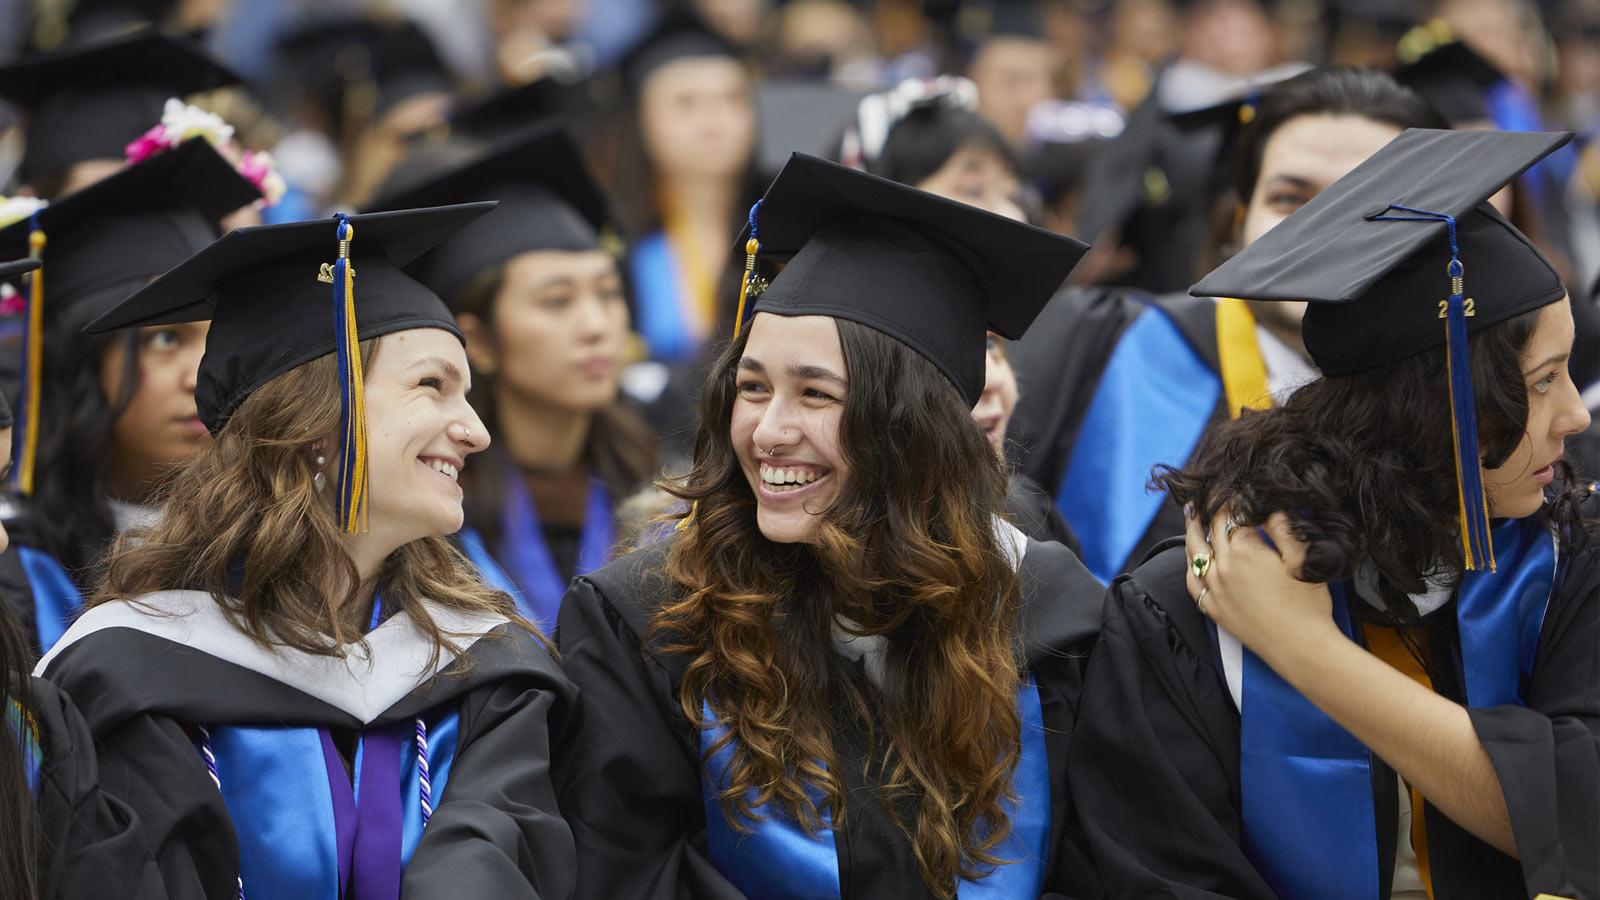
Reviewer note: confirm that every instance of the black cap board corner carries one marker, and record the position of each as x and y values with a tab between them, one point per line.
104	240
90	101
933	273
269	311
548	201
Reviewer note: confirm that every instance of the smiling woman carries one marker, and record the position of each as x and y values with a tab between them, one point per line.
867	656
296	624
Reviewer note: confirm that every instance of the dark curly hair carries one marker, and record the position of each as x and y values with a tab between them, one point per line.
912	558
1364	466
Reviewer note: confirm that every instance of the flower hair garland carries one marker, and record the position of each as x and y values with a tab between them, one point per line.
182	121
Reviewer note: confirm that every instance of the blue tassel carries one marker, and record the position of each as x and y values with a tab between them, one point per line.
1477	545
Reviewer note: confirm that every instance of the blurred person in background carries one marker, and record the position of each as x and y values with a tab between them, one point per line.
684	181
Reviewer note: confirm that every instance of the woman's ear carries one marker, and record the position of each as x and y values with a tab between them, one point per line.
480	343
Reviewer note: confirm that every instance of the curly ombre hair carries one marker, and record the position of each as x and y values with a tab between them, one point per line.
245	522
908	551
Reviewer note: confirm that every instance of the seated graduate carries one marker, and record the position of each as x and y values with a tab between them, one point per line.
540	300
1386	683
844	674
297	683
1115	382
64	836
106	417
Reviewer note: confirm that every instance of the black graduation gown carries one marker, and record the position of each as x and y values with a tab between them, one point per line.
95	845
632	784
495	830
1155	769
1034	513
1059	364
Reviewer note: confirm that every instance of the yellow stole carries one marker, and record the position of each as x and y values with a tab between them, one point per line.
1243	369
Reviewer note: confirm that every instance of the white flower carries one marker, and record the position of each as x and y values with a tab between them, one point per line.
183	121
15	209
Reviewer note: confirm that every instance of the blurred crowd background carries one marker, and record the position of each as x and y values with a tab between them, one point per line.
1106	119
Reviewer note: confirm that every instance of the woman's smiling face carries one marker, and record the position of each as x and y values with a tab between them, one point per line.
785	423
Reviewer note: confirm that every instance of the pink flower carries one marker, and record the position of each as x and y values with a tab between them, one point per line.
147	145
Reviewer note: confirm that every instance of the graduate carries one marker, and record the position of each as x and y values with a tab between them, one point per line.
540	301
105	417
65	837
844	675
927	135
82	106
686	183
1369	669
1116	382
293	679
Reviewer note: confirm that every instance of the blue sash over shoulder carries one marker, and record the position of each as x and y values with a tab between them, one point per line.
1306	783
1154	400
778	860
56	598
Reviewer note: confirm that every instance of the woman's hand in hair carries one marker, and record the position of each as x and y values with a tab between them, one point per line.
1252	589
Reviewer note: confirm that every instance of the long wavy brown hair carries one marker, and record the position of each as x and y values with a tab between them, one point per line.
245	522
908	551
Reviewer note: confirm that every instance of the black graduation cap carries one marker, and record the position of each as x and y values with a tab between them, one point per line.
797	115
101	243
107	239
1455	79
266	291
680	34
349	63
548	201
90	102
933	273
1402	255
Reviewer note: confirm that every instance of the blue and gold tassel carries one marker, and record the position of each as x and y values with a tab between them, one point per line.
752	284
27	434
352	494
1477	543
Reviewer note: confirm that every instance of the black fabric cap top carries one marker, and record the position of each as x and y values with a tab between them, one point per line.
91	101
507	112
105	241
548	201
15	267
1455	79
679	35
269	313
929	272
1375	286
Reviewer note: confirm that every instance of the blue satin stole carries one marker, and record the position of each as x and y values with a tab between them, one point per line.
56	598
1153	403
1306	783
778	860
662	320
276	783
527	557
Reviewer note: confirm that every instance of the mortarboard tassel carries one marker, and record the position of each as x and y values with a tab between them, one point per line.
352	493
32	365
1477	544
751	285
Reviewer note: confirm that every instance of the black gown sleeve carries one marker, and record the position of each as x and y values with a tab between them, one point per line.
1547	754
1154	772
96	845
629	780
151	764
497	830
